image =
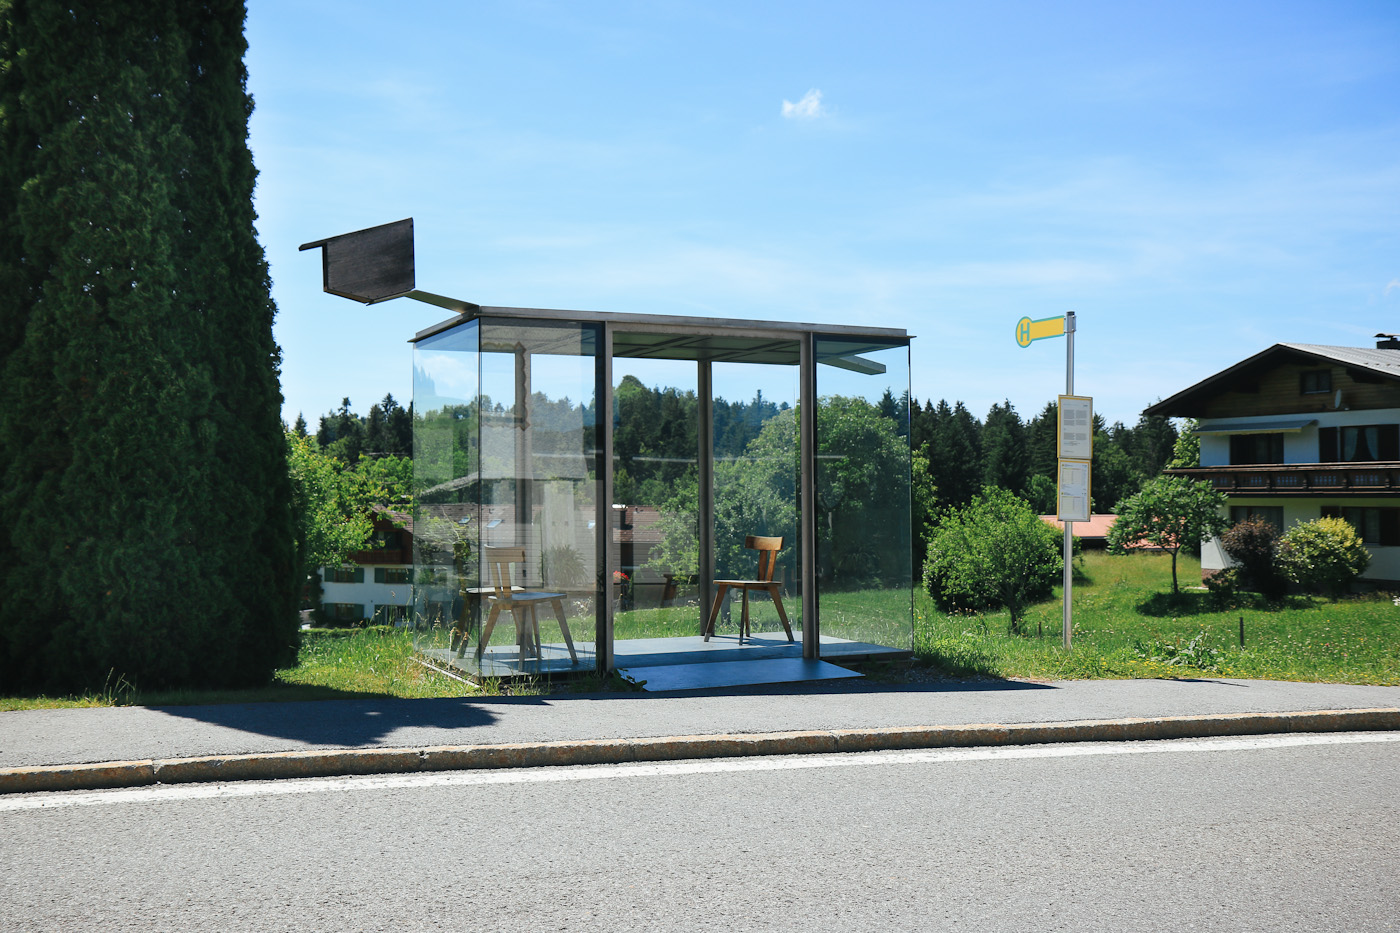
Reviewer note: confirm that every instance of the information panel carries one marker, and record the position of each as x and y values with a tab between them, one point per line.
1076	435
1074	490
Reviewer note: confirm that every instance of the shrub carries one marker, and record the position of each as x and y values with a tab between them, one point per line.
1253	544
1222	586
1325	554
994	552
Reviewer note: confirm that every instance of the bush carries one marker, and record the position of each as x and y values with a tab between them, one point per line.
1222	586
1325	554
995	552
1253	544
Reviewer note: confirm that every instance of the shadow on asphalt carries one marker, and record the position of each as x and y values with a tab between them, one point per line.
343	722
361	722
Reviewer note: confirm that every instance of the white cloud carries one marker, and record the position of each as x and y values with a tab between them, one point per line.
808	108
1392	285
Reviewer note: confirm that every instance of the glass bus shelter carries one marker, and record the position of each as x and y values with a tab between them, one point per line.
584	480
586	483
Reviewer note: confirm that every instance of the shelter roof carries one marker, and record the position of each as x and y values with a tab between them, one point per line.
680	337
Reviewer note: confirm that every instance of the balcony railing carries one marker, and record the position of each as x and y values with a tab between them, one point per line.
1301	479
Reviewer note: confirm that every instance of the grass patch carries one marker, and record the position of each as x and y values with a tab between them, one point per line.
1128	624
372	662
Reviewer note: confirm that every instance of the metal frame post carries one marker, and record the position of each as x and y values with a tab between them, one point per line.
603	636
705	472
807	497
1068	623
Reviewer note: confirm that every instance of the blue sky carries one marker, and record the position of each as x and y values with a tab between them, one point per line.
1197	181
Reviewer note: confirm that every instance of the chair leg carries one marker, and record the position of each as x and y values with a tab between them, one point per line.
487	630
564	627
524	638
714	612
778	604
744	618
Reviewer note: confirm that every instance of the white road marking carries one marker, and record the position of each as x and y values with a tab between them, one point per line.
172	792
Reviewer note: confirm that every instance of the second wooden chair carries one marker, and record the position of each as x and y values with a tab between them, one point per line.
767	548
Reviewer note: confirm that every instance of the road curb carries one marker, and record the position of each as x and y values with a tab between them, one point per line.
339	762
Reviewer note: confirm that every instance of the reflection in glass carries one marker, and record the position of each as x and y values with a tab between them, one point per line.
654	515
864	571
757	452
507	496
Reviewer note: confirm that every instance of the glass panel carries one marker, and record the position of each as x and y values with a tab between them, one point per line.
654	515
446	379
756	454
865	567
537	494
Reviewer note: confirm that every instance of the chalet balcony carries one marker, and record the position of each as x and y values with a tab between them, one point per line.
1301	479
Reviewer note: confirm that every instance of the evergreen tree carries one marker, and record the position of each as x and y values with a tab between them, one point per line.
1005	459
921	423
955	454
1043	442
1154	438
144	472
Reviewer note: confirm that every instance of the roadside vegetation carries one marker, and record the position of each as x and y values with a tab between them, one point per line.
1127	624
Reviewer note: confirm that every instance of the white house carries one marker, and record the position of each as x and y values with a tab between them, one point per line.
377	584
1299	431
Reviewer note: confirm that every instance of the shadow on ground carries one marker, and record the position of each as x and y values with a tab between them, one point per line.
370	722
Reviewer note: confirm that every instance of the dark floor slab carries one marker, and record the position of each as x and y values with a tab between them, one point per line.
707	674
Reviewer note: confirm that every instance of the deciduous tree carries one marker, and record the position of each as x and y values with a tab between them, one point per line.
1169	512
994	552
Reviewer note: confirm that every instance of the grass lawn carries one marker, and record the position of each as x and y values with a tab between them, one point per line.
1127	624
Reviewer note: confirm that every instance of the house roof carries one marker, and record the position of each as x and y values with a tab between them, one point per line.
1096	527
1187	403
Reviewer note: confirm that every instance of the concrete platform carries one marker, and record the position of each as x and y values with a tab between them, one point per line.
504	661
713	674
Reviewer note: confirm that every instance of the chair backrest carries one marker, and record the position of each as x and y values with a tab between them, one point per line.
767	549
498	561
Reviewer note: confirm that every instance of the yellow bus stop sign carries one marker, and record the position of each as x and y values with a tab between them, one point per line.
1028	330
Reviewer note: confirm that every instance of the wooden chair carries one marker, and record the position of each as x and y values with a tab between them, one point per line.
523	605
767	549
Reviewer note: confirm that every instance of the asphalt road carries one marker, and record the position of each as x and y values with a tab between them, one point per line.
1270	833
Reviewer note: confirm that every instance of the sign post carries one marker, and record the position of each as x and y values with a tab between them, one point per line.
1074	447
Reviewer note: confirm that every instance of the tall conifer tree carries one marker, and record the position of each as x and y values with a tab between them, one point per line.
144	480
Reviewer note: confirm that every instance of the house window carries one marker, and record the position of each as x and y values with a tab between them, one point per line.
345	575
1315	381
1375	526
1273	514
392	575
1358	443
390	615
385	541
344	612
1255	448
